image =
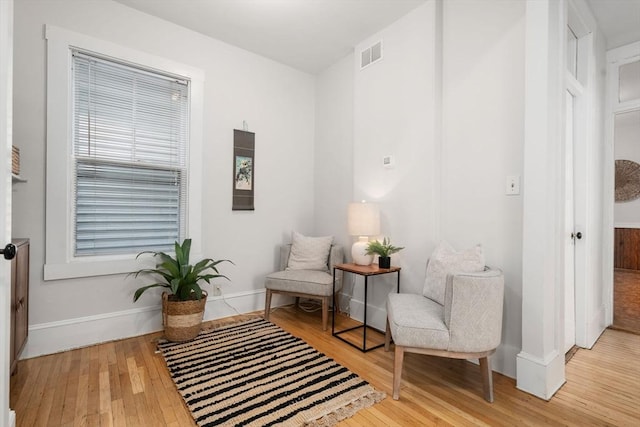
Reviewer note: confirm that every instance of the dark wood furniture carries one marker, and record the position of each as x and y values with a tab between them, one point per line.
19	301
366	271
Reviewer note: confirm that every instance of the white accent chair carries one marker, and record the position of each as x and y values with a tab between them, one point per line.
313	284
467	326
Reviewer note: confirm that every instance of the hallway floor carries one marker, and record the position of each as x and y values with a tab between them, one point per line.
626	300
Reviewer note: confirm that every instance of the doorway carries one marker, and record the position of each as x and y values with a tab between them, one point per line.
626	276
622	269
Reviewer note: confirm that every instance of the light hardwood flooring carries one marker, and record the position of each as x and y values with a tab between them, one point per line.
124	383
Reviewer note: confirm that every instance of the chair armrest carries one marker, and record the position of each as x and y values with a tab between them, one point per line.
285	251
473	310
336	256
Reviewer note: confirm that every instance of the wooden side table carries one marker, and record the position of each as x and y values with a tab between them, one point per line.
366	271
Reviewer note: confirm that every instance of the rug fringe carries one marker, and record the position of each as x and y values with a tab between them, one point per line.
347	411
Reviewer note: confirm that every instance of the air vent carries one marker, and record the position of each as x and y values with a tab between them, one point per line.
371	55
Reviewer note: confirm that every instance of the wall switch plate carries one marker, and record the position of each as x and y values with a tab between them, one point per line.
217	290
513	185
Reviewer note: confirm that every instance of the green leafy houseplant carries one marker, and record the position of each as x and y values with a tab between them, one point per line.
176	274
384	250
184	303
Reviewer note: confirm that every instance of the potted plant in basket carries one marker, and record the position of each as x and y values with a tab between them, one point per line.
184	301
383	250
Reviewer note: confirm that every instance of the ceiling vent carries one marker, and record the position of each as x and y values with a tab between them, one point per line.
371	55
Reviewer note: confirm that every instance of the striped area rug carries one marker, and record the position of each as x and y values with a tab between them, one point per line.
254	373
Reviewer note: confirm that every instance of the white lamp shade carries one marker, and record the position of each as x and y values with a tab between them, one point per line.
363	219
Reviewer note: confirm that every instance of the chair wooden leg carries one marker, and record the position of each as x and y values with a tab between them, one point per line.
325	312
397	371
267	305
297	301
487	378
387	337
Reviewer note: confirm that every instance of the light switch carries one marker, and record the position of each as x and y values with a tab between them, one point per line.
513	185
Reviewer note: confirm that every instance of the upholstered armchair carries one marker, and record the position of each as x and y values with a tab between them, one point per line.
305	280
466	324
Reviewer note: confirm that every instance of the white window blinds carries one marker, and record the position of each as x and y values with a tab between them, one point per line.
130	136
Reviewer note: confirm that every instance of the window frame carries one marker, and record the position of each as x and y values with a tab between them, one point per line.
60	261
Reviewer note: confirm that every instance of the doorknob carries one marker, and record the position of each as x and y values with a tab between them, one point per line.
9	251
577	235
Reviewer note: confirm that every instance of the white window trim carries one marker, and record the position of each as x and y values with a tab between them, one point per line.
60	262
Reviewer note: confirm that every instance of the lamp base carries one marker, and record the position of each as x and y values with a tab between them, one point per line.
359	252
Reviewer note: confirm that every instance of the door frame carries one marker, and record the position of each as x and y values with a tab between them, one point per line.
581	87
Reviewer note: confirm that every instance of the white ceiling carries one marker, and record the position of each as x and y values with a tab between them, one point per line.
310	35
618	19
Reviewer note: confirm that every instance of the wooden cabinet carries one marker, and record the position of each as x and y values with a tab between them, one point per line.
19	300
627	248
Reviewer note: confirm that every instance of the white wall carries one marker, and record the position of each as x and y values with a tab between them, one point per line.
483	76
627	147
449	176
333	166
333	162
276	101
394	114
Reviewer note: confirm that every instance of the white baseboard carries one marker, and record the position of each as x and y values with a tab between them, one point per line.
376	316
539	377
504	360
12	418
626	225
53	337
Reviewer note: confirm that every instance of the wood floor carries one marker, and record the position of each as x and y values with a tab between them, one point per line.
124	383
626	300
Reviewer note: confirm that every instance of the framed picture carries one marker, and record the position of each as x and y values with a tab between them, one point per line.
243	170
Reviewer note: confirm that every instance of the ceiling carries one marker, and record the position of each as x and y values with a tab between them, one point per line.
310	35
618	19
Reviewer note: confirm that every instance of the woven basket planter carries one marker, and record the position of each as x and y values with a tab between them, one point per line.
182	320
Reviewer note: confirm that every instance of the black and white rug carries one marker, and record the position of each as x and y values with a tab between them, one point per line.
254	373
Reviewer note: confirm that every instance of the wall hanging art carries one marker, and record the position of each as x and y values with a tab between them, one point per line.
627	180
243	170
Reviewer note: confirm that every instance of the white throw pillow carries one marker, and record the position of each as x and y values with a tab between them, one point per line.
446	260
309	253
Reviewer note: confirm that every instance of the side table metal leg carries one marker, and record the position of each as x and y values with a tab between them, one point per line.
333	312
364	333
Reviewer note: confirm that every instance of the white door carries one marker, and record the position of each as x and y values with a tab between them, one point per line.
569	220
6	101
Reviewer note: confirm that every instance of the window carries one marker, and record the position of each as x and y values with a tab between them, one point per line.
130	138
124	164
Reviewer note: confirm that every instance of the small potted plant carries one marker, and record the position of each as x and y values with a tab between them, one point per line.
184	301
383	250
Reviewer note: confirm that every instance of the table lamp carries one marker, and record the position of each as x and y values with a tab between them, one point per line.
364	221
